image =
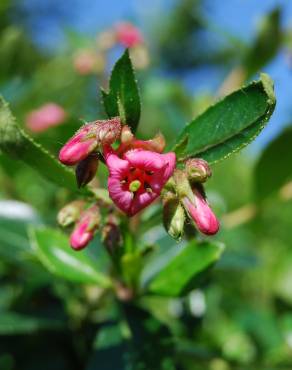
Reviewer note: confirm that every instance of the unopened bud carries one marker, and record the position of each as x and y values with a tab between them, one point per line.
86	169
182	185
108	131
201	213
79	146
173	217
197	170
70	213
157	144
85	228
111	235
126	135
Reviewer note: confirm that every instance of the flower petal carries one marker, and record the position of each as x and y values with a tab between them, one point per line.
117	166
122	198
141	201
144	159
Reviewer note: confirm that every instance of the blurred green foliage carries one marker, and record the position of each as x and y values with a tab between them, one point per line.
57	307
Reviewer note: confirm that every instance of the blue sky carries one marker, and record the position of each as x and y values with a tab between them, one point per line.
46	20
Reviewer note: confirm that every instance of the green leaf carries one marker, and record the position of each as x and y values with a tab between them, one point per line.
123	97
53	250
177	277
266	45
19	145
230	124
273	169
13	324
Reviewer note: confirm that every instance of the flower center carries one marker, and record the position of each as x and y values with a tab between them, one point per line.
137	180
135	185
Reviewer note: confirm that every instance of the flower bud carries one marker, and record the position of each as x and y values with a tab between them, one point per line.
201	213
128	35
173	216
70	213
85	228
79	146
111	235
182	185
108	131
126	135
157	144
86	170
197	170
46	116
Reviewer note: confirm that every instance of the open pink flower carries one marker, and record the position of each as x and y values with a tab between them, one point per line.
46	116
79	146
201	213
136	179
128	35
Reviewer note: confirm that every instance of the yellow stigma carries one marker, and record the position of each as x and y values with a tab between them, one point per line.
135	185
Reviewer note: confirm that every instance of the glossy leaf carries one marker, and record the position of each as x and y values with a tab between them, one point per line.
273	169
123	97
230	124
19	145
53	250
176	278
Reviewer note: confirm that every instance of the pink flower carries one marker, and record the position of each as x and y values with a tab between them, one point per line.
44	117
128	35
85	228
136	179
201	213
79	146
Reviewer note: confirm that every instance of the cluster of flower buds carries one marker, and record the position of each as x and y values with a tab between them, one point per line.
86	222
83	148
184	195
139	172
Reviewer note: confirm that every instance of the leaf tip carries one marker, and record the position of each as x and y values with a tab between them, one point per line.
268	85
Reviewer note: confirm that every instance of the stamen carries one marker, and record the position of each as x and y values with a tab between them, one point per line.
149	173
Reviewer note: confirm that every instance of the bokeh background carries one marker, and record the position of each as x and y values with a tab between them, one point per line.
192	52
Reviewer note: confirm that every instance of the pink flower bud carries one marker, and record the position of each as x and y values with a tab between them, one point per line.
128	35
201	213
85	228
79	146
197	170
46	116
86	169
